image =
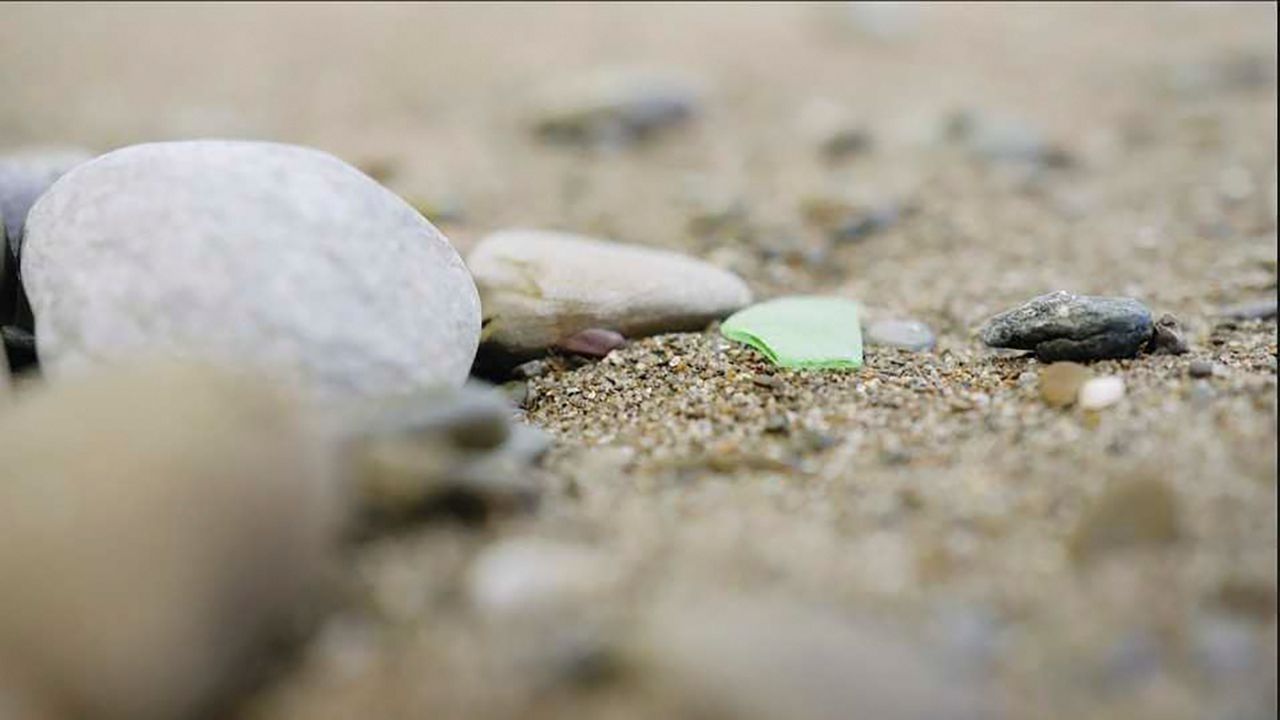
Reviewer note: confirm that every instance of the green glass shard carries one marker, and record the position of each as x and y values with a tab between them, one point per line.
801	331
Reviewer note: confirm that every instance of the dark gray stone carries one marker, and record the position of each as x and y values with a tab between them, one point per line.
1063	326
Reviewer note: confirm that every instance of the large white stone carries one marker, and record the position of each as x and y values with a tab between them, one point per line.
539	288
271	255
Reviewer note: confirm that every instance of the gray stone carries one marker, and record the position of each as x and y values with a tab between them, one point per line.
910	335
532	369
275	256
1002	138
474	417
24	176
1200	368
162	524
449	450
614	107
1063	326
539	288
1167	337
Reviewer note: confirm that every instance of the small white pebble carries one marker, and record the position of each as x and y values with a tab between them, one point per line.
1101	392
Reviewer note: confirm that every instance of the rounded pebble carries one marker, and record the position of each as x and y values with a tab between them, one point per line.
1101	392
910	335
1200	369
278	256
540	288
1060	383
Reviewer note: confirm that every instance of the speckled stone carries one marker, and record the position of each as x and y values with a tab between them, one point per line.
1063	326
270	255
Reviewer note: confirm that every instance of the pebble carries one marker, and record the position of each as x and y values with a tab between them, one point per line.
161	523
24	176
836	133
1167	337
532	369
615	107
1002	138
910	335
844	221
444	452
19	347
539	288
1257	310
592	342
278	256
766	381
530	575
474	417
1200	368
1143	512
777	424
756	658
1100	392
1060	383
1063	326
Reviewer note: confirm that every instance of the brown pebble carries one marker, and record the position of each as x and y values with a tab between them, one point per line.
1060	383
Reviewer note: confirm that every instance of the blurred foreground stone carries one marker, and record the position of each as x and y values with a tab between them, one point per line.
445	452
764	659
161	524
